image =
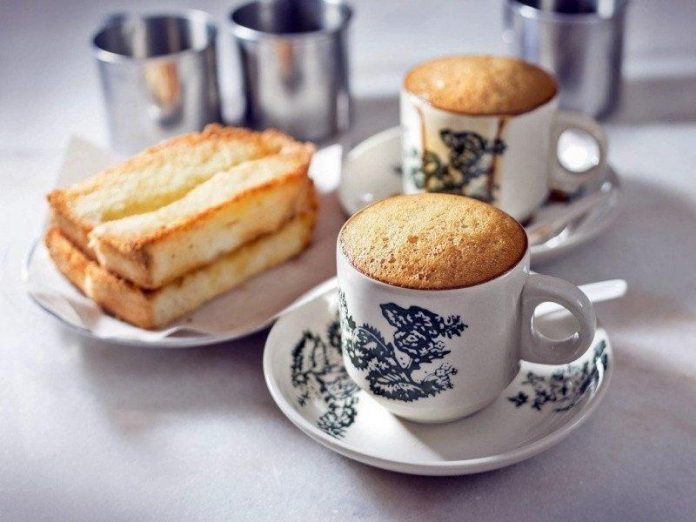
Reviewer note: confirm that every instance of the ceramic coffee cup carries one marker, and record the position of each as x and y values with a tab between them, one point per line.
488	127
434	322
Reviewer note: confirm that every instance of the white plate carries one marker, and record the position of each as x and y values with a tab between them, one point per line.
372	172
305	374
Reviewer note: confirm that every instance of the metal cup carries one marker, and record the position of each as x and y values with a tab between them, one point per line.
159	76
295	65
581	41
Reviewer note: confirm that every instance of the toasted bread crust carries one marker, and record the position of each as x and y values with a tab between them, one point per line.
72	230
78	227
155	248
113	294
265	209
266	138
132	246
156	308
184	221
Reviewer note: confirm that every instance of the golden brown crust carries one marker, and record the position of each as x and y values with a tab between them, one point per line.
115	295
78	227
481	85
135	261
432	241
155	308
137	247
77	233
271	138
67	257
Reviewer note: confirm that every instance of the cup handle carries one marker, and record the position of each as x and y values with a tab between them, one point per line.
570	181
538	348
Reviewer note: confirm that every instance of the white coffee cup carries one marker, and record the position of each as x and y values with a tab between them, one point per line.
508	159
434	355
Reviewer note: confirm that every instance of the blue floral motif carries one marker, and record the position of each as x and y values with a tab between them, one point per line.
469	151
563	388
471	156
392	366
318	373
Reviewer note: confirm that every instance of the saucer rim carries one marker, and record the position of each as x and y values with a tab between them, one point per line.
441	468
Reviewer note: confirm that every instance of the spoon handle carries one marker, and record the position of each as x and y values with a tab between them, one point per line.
595	292
541	232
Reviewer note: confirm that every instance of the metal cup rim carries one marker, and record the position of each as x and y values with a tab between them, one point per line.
531	12
189	15
244	32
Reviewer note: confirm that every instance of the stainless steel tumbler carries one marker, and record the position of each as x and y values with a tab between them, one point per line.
294	63
159	76
581	41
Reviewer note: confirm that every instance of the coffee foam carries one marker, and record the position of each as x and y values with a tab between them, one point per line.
432	241
481	85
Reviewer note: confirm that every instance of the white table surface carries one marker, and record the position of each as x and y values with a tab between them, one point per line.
92	431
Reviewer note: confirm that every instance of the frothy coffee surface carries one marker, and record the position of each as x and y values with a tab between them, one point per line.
432	241
481	85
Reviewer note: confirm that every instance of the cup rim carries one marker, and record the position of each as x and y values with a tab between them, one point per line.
244	32
524	259
188	15
531	12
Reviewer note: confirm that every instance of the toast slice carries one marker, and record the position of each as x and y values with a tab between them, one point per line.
216	217
160	176
156	308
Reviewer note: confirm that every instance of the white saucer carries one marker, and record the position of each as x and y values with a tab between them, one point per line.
372	171
305	374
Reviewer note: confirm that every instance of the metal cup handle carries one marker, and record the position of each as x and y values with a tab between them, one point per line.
570	181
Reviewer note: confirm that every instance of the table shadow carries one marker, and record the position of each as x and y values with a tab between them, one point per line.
652	236
138	388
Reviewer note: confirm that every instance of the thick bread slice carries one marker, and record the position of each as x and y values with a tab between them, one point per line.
156	308
159	175
216	217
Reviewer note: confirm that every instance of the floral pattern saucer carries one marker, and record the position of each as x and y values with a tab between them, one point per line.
304	371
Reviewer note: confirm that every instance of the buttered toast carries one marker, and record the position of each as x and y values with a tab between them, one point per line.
156	308
181	205
216	217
